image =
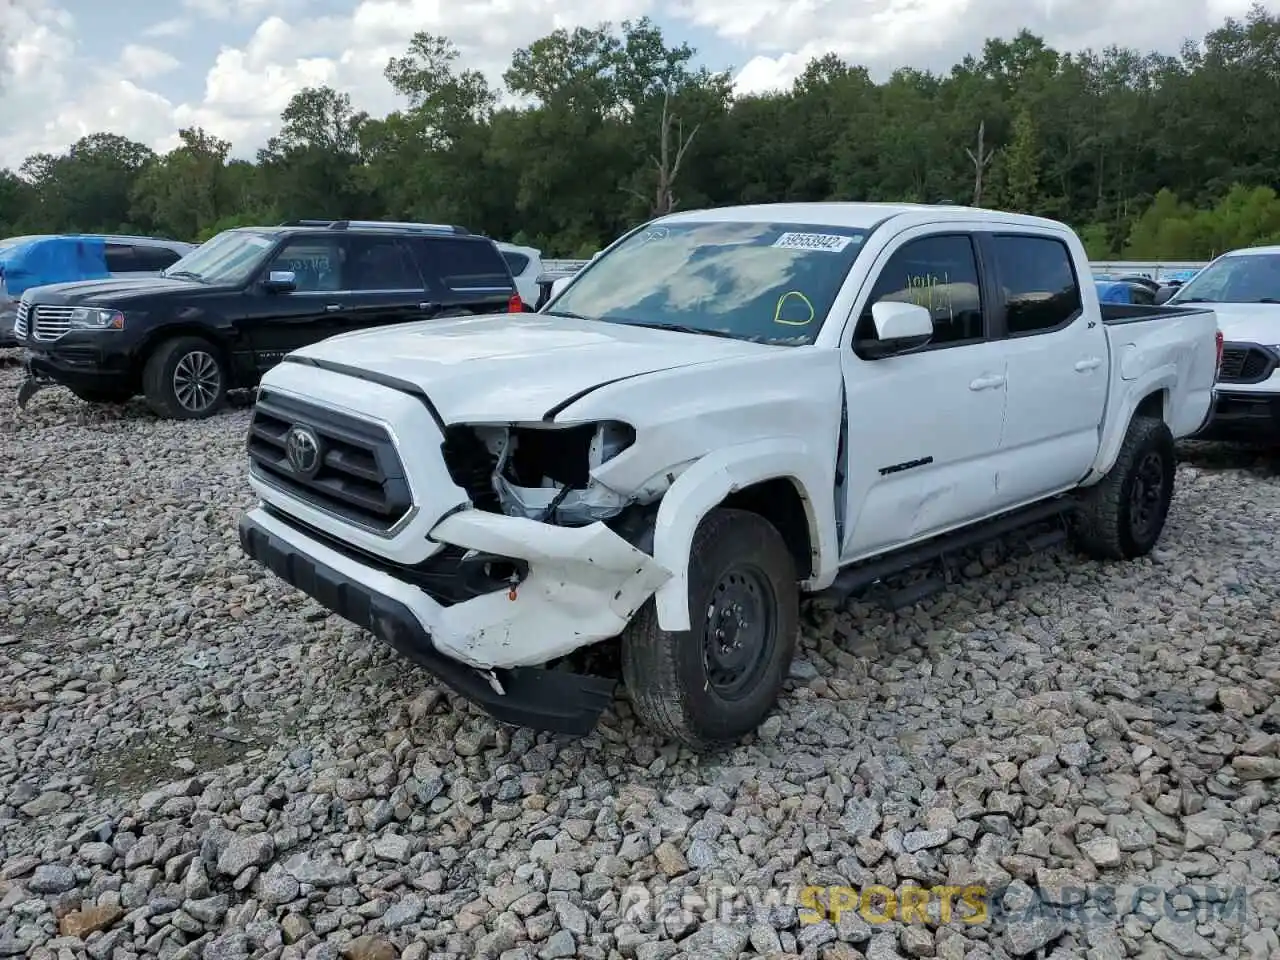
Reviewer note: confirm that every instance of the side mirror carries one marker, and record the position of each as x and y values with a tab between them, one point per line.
899	327
1164	293
280	281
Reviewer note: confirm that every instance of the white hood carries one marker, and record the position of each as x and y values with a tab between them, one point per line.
1247	322
506	367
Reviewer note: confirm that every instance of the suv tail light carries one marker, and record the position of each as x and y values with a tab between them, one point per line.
1218	366
515	304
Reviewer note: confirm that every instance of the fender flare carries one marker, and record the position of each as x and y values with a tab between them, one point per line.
705	484
1116	427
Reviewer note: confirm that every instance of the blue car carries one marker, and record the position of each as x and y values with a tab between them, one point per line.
39	259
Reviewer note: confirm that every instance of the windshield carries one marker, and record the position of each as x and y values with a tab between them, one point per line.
1239	278
230	257
765	282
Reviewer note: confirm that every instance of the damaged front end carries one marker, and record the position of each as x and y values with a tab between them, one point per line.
542	472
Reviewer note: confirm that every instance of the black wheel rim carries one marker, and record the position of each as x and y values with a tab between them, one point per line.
196	380
740	632
1146	496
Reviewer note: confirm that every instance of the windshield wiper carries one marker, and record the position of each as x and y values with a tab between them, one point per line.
674	328
563	313
185	273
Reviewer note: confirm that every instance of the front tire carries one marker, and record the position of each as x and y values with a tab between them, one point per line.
711	685
185	379
1122	516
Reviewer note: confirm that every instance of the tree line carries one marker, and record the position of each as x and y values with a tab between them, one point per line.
1148	155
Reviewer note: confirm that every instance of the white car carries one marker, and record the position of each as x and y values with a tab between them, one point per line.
525	264
726	409
1243	288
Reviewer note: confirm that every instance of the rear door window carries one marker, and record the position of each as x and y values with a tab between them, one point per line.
381	264
517	262
1038	283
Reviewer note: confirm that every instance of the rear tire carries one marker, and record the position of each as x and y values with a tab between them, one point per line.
1122	516
709	686
185	379
103	394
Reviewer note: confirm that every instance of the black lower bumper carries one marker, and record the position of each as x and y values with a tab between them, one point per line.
1243	418
74	366
540	699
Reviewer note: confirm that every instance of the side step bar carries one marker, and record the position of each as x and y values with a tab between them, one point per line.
871	573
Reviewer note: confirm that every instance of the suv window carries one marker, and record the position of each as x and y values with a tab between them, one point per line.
316	263
939	273
120	258
463	264
1038	283
380	263
154	259
517	262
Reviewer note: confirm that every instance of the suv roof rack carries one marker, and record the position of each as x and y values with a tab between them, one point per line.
378	225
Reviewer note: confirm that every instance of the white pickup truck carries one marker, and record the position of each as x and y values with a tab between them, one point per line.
726	409
1243	289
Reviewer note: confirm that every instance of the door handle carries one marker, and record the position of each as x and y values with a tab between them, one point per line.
988	382
332	307
1084	366
428	305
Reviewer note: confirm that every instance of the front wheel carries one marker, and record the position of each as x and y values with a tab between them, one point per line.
185	379
710	685
1122	516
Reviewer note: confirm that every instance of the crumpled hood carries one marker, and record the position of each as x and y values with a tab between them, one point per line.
1247	322
508	367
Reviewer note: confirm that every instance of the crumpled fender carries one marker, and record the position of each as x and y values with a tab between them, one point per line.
705	484
584	585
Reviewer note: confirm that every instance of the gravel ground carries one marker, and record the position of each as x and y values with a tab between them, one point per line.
196	762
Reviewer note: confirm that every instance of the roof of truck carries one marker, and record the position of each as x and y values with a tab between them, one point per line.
862	216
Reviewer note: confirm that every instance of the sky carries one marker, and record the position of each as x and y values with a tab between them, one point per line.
145	68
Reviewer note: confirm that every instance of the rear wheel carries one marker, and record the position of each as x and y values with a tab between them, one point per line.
708	686
1122	516
185	379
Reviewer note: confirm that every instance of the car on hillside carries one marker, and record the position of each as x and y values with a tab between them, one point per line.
726	409
36	259
1243	288
230	310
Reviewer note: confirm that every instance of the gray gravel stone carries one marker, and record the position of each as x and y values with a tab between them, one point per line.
1057	725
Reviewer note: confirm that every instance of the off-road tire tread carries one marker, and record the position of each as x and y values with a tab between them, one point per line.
157	378
649	668
1097	528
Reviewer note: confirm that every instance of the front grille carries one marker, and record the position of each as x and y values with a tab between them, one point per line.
50	323
20	324
1246	363
360	479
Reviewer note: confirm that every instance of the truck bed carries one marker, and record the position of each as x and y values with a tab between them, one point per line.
1116	313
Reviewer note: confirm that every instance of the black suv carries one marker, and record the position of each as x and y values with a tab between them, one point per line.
233	307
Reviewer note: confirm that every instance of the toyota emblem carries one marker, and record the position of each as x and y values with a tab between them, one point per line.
302	449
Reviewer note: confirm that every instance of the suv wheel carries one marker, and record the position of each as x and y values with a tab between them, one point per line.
185	379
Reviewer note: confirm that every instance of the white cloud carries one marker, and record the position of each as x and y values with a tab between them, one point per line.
48	101
138	62
175	27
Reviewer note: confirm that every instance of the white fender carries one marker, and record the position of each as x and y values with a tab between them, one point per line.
705	484
1160	379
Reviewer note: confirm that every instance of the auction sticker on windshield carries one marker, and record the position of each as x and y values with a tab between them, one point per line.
825	242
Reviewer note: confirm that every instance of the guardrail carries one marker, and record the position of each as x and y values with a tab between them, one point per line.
563	266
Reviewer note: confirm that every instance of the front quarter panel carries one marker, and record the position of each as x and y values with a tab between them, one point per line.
707	431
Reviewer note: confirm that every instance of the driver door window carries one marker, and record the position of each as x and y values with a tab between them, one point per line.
315	262
939	273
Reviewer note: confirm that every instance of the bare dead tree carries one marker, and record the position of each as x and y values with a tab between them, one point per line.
672	146
981	159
